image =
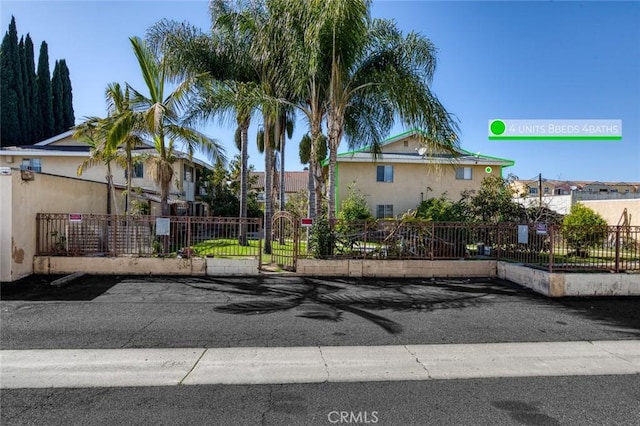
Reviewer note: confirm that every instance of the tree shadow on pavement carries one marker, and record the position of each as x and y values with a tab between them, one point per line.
328	300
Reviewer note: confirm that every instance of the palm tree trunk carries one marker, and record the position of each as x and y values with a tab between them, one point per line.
280	130
334	122
127	206
268	160
244	146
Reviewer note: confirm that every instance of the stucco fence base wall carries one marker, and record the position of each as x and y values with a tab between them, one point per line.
557	284
396	268
232	267
144	266
119	265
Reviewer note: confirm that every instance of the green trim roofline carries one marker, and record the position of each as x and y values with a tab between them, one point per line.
391	139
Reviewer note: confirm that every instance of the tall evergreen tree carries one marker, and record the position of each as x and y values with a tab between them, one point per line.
68	118
25	119
56	92
33	111
11	128
44	93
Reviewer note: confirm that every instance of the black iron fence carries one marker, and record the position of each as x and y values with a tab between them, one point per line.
111	235
553	248
611	248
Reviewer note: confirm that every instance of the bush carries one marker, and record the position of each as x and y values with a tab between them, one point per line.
322	238
442	210
583	228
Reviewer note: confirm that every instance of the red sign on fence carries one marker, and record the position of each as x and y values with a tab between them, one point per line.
306	222
75	217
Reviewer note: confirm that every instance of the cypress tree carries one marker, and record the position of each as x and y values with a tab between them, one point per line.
68	118
25	119
34	106
11	131
56	91
44	93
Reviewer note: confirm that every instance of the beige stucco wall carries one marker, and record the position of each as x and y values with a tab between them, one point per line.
68	166
44	194
409	181
5	226
611	210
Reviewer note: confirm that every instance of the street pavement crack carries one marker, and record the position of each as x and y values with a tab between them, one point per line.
418	361
326	367
610	353
137	332
263	418
181	382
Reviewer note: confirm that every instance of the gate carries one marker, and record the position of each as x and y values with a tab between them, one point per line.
285	240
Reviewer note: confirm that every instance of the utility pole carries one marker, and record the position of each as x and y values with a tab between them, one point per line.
540	189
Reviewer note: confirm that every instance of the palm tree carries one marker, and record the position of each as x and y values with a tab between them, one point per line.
231	100
377	74
233	87
92	133
158	116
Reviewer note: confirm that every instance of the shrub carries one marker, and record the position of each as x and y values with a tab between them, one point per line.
322	238
583	228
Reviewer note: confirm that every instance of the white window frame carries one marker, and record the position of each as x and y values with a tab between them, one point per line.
464	173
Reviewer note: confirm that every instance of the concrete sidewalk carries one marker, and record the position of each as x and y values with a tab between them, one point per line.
197	366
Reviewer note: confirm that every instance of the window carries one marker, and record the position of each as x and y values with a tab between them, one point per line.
384	174
626	191
533	190
546	190
34	164
137	171
463	173
187	174
384	210
614	190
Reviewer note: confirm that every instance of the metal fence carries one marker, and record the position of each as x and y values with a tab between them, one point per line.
553	248
111	235
575	248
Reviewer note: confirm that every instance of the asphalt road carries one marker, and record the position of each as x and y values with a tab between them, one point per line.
610	400
135	312
144	312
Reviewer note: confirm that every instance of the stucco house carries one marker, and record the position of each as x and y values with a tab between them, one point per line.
405	174
62	154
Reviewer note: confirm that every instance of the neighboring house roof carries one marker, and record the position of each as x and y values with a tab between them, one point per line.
571	183
460	156
293	181
55	147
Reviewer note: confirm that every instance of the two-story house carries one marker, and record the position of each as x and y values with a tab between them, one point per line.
405	174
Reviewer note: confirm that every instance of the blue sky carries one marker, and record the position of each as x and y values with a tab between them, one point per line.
518	60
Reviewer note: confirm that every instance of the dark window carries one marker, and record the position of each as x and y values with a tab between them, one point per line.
384	173
137	171
384	211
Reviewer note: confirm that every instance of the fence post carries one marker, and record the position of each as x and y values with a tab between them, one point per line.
114	227
433	236
188	250
498	240
617	267
37	234
552	229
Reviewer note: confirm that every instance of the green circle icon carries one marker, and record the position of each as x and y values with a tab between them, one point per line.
498	127
488	169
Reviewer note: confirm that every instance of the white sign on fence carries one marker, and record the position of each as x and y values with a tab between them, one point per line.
162	226
523	234
541	229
